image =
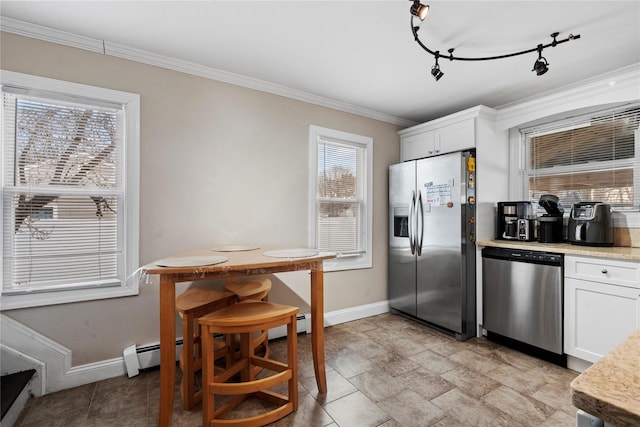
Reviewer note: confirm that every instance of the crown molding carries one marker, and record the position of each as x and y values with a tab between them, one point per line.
621	85
49	34
125	52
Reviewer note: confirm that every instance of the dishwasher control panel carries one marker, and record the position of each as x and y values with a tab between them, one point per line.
523	255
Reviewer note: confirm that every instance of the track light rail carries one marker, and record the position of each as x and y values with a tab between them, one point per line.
451	57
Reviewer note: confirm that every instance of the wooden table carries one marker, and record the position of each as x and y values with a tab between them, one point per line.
240	263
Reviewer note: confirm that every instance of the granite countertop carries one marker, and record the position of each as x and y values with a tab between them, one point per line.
610	388
613	252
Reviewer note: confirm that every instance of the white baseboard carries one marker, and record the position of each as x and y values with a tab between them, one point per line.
354	313
91	372
577	365
57	359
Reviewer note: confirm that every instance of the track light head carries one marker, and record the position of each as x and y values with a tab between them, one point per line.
436	73
541	65
420	10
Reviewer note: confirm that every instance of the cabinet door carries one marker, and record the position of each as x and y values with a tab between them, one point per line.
417	146
446	139
455	137
598	317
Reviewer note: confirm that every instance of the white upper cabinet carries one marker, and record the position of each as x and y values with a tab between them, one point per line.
456	136
445	135
418	146
446	139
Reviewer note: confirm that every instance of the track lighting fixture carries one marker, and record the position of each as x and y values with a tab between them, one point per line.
436	73
541	66
435	70
419	10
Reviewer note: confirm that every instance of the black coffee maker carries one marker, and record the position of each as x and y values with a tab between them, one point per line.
550	228
516	221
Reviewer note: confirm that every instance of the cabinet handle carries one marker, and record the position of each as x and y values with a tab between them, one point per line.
604	271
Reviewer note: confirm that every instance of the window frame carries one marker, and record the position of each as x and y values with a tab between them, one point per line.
131	162
343	262
519	178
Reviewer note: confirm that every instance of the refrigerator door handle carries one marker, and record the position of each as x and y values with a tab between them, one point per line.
412	205
420	219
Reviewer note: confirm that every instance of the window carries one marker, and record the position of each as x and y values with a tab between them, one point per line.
69	191
594	157
340	196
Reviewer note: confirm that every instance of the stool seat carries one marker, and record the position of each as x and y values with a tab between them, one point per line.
245	319
257	289
197	299
247	314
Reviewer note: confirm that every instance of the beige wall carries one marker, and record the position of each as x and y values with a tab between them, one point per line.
219	164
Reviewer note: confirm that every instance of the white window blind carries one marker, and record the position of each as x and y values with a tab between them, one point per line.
63	193
339	197
593	157
340	194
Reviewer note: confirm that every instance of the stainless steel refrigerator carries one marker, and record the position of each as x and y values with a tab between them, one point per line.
432	271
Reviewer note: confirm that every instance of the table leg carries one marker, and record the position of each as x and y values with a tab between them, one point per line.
167	349
317	326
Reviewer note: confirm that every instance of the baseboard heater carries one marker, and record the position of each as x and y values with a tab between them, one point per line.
148	356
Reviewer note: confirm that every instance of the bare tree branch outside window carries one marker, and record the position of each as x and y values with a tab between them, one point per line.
58	146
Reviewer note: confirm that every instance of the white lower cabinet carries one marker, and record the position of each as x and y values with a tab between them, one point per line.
601	305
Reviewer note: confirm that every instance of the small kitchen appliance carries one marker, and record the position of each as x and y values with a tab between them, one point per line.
550	225
590	223
516	221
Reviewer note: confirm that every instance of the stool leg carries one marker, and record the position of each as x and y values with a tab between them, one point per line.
187	384
247	352
208	371
292	360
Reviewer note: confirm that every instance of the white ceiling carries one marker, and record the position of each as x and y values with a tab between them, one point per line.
362	53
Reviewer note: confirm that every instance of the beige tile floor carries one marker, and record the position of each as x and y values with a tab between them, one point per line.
383	371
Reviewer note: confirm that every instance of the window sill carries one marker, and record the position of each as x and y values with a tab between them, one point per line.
352	264
27	300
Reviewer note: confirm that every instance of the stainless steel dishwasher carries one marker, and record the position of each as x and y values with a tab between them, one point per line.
522	296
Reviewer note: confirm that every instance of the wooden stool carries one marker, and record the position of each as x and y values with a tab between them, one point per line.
191	305
256	289
246	319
